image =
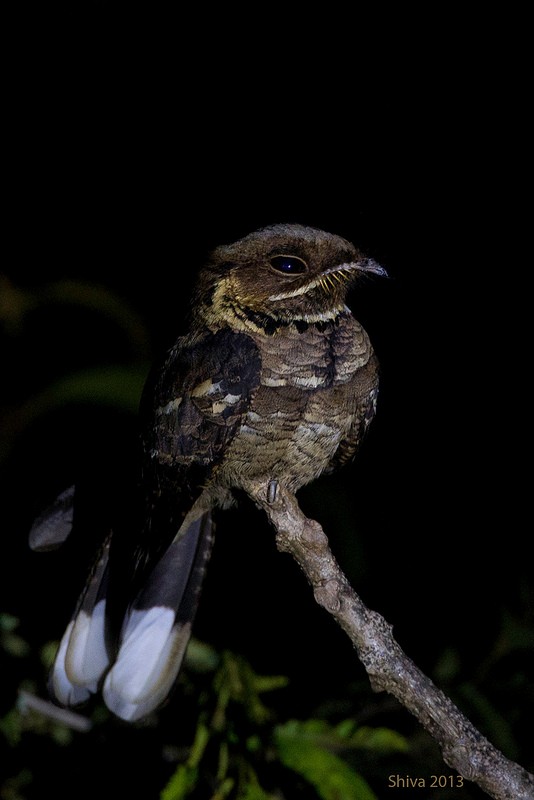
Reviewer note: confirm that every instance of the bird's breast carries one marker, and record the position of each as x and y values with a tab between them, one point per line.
317	358
305	405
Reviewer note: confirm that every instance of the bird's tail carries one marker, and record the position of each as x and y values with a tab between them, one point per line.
139	675
157	627
83	655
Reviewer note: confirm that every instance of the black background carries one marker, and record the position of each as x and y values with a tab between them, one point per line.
137	143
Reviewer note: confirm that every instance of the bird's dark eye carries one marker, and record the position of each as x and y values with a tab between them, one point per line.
289	265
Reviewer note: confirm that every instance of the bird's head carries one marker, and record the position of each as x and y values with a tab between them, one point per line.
285	273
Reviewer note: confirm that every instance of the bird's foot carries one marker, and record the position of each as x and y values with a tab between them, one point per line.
272	491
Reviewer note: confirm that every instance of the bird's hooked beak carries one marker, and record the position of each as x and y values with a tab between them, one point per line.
347	273
370	265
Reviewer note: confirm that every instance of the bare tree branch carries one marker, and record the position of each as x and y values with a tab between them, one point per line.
389	669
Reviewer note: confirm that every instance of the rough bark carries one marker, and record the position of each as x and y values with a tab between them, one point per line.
463	746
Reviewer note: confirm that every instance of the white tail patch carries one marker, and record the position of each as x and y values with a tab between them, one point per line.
87	658
82	658
62	689
148	662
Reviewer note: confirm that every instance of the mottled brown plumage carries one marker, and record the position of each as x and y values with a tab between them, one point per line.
276	381
283	380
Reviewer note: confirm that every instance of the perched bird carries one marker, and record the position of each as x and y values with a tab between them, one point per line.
274	381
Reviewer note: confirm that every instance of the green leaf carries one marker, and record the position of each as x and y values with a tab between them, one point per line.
8	622
118	387
254	792
11	789
236	681
181	783
249	786
11	727
348	735
223	790
333	778
515	634
201	657
16	304
15	645
101	300
48	652
186	775
11	642
448	666
380	740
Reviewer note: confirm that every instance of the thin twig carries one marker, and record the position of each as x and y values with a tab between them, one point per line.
30	702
